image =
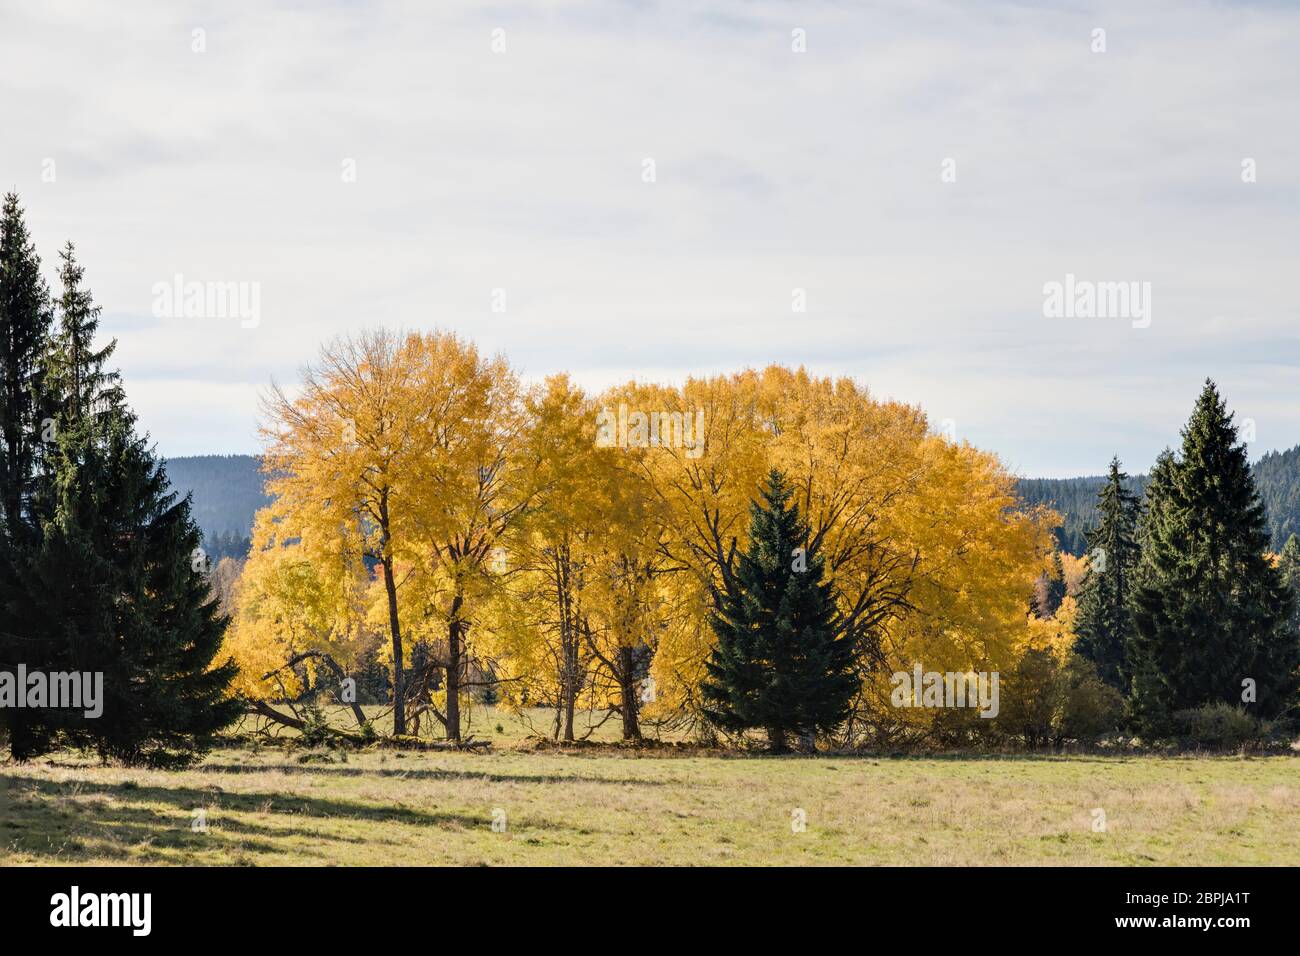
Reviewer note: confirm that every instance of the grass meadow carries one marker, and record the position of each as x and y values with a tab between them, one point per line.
278	803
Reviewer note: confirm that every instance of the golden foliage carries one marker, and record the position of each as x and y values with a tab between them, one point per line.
422	490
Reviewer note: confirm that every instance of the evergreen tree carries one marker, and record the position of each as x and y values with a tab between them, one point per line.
1105	622
87	391
24	329
1049	590
1288	565
103	580
1210	610
781	663
25	318
116	580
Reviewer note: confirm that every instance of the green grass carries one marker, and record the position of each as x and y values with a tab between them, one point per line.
282	805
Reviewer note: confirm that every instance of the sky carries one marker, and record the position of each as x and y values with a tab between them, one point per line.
652	190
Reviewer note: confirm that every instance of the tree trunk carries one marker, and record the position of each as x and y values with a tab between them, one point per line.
776	741
453	670
568	643
631	702
339	675
395	627
568	719
569	685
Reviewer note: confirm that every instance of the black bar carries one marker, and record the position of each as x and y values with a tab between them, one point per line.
337	906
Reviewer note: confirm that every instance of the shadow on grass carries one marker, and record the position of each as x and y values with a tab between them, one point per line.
1093	757
49	819
476	776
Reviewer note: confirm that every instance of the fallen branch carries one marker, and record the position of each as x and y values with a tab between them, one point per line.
339	674
264	709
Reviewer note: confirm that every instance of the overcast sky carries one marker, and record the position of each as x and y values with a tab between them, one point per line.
524	169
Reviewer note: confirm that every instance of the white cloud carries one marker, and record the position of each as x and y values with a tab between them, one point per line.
775	170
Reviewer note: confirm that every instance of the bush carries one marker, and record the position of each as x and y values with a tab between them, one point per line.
1047	702
1031	696
1218	726
368	733
1089	707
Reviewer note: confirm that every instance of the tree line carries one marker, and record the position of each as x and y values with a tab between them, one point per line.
1183	606
426	502
1276	474
763	552
424	497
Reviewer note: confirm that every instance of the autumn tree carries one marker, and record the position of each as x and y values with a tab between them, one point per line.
925	540
543	565
482	468
522	548
343	463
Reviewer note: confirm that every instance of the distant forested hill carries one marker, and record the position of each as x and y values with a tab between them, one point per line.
1277	475
1076	500
227	492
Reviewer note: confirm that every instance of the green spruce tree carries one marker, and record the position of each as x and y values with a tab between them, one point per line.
1288	565
1212	615
1049	589
782	663
1105	622
110	580
25	317
88	392
119	576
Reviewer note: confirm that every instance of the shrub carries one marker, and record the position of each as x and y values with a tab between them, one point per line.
1089	708
1218	726
315	728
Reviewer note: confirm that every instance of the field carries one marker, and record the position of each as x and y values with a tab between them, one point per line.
284	805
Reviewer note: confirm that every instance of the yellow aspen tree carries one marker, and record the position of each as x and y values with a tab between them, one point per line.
479	472
538	629
341	463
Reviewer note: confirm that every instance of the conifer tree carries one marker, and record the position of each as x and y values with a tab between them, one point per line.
1288	565
1211	613
24	329
1050	590
105	580
86	389
119	579
1105	622
25	317
781	663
